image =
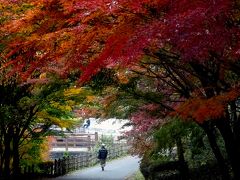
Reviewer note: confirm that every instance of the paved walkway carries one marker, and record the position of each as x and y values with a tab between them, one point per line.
118	169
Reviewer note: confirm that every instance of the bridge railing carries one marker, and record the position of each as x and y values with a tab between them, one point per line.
75	140
67	164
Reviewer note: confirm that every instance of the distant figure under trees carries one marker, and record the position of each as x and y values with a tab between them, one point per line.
87	124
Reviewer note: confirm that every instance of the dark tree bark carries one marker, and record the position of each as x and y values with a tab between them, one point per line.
1	151
180	151
231	146
16	156
235	121
7	152
216	150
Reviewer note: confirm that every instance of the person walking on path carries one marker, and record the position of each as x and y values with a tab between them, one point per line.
102	156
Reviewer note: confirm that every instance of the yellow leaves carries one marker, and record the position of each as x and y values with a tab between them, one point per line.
28	30
61	107
72	91
45	149
34	37
1	6
91	98
43	76
45	116
71	103
83	92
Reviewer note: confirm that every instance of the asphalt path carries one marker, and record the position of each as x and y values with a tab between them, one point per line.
118	169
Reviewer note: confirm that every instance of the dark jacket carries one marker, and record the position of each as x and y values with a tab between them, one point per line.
102	153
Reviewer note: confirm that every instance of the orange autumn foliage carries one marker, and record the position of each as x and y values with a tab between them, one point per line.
202	109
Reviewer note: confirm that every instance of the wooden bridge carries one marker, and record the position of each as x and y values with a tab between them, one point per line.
74	141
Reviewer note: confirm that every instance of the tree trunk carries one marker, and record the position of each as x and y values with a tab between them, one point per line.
1	152
231	146
180	151
235	122
7	155
16	159
218	155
